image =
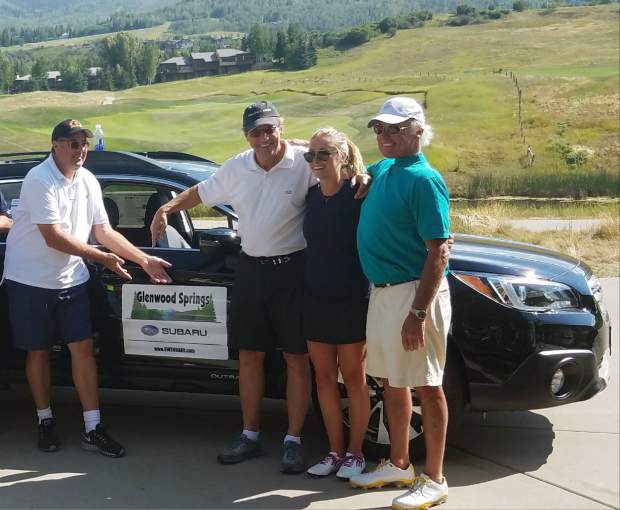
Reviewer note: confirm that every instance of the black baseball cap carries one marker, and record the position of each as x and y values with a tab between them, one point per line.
68	128
258	114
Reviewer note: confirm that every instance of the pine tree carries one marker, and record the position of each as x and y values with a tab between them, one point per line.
279	52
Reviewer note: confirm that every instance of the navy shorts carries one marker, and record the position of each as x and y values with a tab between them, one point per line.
40	317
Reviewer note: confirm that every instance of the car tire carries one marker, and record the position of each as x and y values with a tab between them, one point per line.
377	442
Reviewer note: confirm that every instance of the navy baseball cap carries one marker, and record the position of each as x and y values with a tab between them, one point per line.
259	114
68	128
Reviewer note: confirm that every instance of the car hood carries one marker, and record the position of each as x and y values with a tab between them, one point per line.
489	255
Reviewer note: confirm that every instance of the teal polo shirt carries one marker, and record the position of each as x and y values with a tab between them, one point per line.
408	203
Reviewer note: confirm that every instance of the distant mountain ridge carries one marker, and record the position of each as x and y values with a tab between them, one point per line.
198	16
18	13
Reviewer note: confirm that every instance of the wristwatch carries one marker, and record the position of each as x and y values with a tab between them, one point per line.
419	314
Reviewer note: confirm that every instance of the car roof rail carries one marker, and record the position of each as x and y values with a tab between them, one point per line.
23	157
180	156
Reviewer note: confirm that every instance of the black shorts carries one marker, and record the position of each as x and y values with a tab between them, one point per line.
41	316
334	321
266	303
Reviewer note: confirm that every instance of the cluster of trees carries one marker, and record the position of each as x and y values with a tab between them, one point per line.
363	33
123	61
12	36
467	15
292	48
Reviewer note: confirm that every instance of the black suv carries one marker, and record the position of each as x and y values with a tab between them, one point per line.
529	327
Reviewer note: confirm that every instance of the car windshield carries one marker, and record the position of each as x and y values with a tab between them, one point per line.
198	170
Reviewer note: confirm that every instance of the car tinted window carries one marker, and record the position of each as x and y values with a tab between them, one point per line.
131	200
11	190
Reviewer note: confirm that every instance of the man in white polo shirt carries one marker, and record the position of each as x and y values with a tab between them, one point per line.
45	275
267	187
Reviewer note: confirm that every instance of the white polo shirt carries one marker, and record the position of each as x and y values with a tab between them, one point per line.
48	197
270	204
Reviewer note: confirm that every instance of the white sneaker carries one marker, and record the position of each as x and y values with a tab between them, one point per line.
327	466
424	493
384	474
352	465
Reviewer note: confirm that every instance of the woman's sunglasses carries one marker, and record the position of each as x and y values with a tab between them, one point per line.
322	155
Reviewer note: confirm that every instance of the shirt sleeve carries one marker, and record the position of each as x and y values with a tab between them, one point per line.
372	167
100	215
216	189
431	206
41	201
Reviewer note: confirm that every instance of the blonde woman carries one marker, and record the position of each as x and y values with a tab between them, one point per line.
336	298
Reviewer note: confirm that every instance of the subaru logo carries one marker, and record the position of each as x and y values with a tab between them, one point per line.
149	330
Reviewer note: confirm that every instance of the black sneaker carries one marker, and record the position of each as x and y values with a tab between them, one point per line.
292	459
48	440
99	440
239	450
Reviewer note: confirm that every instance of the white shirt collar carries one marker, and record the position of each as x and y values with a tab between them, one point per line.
287	161
59	176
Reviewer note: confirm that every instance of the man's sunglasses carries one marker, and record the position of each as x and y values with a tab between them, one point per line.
267	130
322	155
75	145
389	129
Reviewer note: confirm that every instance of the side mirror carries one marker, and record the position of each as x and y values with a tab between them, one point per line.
222	240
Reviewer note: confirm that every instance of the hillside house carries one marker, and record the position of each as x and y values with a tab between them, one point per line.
222	61
53	80
20	84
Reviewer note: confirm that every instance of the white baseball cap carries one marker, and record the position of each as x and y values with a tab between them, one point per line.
399	109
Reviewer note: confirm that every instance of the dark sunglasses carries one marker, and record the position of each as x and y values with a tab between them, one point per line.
267	130
320	155
389	129
75	145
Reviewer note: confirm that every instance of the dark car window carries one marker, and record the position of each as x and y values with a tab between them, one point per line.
131	200
131	207
11	190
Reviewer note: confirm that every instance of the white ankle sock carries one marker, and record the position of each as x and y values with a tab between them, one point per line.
91	420
295	439
44	414
250	434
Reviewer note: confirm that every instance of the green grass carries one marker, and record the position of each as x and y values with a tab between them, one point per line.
510	208
566	62
533	183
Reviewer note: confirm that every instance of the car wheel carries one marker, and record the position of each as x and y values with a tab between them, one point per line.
377	442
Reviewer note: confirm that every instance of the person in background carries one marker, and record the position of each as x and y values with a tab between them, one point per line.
336	298
60	205
403	242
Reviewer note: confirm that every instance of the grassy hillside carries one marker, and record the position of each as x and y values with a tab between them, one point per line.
565	61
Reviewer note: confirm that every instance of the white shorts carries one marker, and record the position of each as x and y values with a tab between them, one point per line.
386	356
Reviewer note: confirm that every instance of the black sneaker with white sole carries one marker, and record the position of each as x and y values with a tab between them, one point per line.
99	440
48	440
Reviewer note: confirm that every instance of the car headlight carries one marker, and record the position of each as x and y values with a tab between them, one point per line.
526	293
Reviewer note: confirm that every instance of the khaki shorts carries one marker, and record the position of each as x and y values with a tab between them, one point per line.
386	356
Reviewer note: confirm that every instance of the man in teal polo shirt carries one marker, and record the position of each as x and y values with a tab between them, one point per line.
403	246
